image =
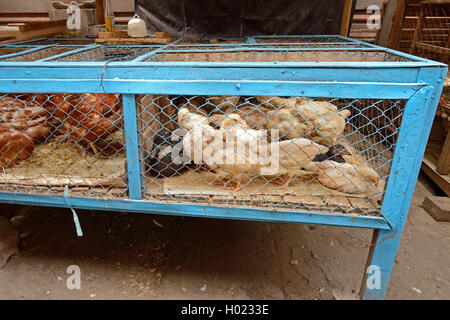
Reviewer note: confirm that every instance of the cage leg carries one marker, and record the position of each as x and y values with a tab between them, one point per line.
379	264
414	131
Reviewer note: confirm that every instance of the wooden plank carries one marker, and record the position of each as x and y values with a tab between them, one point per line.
418	29
429	20
391	25
122	20
346	17
24	14
429	167
99	12
23	19
4	38
38	33
363	34
443	166
438	28
431	1
112	34
362	18
9	31
63	180
114	41
128	14
162	35
437	207
361	26
32	26
433	48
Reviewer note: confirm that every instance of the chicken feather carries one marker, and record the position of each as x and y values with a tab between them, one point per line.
348	178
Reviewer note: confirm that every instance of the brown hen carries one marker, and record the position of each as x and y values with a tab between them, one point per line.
87	118
14	146
26	116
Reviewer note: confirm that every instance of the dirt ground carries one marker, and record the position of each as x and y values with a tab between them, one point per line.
137	256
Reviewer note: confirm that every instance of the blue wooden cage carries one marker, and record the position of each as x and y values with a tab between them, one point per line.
391	98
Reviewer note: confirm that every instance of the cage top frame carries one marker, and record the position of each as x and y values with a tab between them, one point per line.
257	43
369	79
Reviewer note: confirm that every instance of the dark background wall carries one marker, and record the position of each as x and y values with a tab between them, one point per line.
196	19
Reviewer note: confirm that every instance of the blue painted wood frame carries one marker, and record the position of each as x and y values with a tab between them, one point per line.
199	210
411	144
132	146
209	87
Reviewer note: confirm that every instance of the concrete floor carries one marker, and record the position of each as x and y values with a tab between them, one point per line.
135	256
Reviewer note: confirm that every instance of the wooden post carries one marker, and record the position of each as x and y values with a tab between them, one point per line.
100	11
418	29
391	24
443	166
346	15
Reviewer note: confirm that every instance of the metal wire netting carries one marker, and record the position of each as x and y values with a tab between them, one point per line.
10	50
108	54
39	54
259	46
304	39
275	55
331	155
50	141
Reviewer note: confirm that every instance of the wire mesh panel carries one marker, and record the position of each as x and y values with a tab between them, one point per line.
212	41
303	39
10	50
53	141
280	55
259	46
276	152
40	54
108	54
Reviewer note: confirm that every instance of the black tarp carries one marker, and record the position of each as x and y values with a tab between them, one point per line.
196	19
